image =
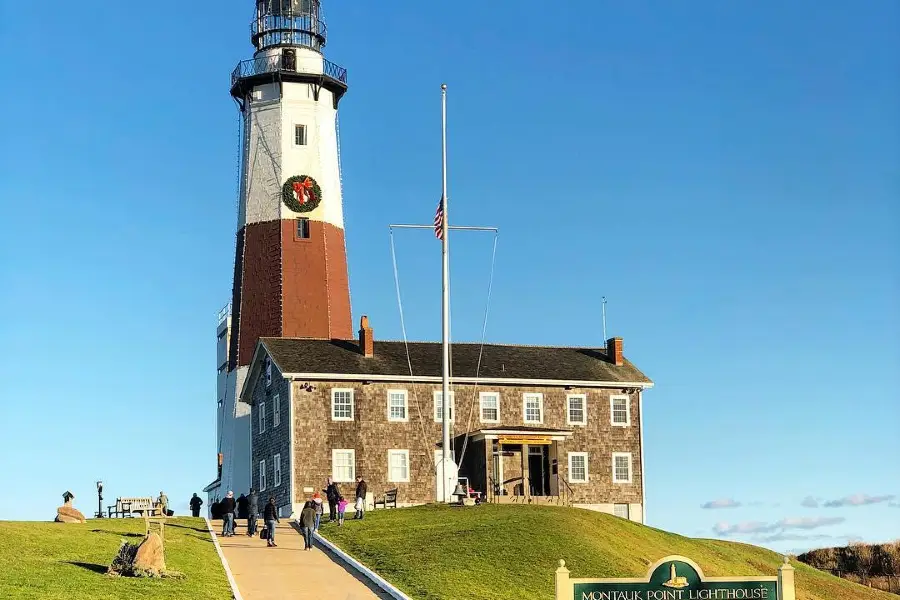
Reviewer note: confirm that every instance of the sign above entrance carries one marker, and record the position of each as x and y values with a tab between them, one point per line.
516	440
677	578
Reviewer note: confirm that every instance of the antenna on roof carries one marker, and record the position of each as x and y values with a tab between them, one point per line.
604	320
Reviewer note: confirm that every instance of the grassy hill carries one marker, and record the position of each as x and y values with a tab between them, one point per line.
510	552
53	561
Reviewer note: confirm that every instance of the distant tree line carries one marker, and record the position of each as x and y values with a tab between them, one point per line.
870	564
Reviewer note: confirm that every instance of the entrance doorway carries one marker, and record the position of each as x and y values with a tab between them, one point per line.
539	470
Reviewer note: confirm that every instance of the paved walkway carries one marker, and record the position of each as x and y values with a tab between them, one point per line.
287	572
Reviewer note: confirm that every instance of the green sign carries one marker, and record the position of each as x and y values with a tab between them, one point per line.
674	578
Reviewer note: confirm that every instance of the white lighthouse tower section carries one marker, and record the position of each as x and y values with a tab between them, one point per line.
275	150
262	172
236	438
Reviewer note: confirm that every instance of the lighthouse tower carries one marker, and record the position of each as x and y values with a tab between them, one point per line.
290	266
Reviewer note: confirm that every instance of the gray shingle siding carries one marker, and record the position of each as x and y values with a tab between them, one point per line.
274	440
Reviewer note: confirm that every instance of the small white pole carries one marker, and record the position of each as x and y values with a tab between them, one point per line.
604	320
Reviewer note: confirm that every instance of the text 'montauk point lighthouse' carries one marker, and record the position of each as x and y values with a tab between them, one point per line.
290	267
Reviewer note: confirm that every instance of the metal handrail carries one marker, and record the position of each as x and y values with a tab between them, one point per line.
274	64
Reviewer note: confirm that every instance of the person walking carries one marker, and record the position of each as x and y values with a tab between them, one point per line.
196	503
252	512
342	508
163	502
333	495
361	490
242	507
227	507
270	516
308	524
319	507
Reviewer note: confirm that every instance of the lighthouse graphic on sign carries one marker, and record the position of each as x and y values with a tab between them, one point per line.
290	262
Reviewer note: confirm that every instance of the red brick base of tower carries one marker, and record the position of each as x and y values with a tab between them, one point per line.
285	286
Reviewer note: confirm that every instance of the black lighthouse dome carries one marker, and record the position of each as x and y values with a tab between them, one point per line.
288	23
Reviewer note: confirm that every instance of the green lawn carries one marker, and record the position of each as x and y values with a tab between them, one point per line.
54	561
510	552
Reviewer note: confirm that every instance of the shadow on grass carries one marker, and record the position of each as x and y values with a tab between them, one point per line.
101	569
201	529
118	533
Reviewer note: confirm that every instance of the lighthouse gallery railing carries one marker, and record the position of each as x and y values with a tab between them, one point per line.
275	64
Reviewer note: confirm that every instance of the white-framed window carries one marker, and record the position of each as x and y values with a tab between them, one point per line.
576	413
262	475
341	405
620	410
268	371
578	467
398	466
276	410
439	405
397	406
621	465
262	417
343	465
490	407
276	464
299	135
621	511
533	408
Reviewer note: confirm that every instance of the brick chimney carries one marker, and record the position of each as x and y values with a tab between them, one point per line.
366	339
614	351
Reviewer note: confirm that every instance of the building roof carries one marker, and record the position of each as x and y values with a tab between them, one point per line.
295	356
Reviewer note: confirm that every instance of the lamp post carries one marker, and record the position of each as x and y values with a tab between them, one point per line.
99	499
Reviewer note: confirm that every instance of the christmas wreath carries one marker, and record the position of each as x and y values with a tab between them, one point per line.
301	193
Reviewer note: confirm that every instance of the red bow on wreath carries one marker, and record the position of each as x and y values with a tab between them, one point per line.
304	190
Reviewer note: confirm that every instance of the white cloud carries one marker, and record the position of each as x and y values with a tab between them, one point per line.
858	500
721	503
724	529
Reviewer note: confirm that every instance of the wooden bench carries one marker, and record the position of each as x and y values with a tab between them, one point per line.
390	497
126	507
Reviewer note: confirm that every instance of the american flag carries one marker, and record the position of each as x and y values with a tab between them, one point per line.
439	221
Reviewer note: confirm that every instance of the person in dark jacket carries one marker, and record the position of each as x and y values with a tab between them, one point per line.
253	512
227	506
333	495
196	503
242	507
361	490
270	516
308	524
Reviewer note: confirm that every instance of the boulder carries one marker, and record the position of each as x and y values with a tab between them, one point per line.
150	558
69	514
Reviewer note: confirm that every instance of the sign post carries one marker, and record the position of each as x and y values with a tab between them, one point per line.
677	578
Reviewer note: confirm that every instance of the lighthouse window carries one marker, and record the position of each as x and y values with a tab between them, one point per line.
302	228
533	408
299	135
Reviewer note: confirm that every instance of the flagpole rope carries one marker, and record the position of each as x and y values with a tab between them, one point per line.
487	309
406	345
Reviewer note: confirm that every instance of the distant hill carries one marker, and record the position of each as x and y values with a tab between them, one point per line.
501	552
874	565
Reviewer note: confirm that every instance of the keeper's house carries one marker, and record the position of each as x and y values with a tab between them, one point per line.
533	425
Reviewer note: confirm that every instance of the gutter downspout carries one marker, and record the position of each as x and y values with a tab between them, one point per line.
643	473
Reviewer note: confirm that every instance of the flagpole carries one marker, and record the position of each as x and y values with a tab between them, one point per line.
445	307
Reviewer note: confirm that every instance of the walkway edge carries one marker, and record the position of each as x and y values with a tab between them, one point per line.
382	583
235	592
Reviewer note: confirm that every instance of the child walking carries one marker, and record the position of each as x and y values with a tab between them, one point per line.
320	509
342	507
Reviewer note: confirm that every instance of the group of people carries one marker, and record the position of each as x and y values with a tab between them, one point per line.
247	507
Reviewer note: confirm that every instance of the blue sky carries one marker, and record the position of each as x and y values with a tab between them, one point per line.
725	173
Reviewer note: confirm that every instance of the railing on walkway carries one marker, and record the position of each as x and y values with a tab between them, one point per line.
275	64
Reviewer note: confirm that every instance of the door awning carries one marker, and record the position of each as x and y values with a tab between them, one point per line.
516	436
